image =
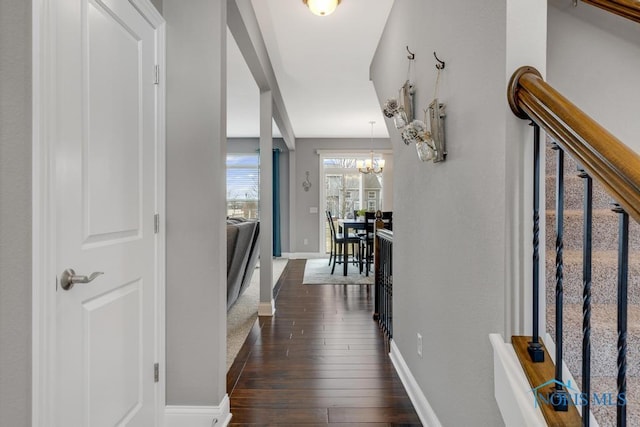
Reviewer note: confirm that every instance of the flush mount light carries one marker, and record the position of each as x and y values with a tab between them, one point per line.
321	7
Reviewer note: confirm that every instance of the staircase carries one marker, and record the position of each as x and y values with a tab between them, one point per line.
604	290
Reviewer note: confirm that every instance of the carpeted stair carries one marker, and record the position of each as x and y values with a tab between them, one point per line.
604	290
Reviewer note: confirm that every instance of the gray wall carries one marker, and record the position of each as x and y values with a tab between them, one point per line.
307	159
250	145
196	191
15	213
157	4
449	218
593	59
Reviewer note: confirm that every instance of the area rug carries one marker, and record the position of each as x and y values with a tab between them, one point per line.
243	314
318	272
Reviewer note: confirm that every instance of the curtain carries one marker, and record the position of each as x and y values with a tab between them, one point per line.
277	244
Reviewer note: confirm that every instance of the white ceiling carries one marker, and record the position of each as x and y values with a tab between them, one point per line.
322	68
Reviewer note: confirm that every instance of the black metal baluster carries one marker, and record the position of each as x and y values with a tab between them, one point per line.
586	295
377	279
383	285
390	276
559	397
623	269
388	284
535	348
383	279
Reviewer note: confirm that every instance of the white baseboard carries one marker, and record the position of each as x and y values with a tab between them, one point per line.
423	408
511	388
198	416
304	255
267	308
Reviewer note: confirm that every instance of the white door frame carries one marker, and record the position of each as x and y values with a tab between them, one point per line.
44	201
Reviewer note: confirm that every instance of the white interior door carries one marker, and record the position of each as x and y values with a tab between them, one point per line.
105	193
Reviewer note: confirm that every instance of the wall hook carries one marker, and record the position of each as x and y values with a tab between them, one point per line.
411	55
439	66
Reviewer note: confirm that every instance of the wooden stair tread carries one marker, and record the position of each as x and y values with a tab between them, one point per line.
540	373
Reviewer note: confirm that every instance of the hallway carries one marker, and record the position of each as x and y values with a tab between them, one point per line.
320	360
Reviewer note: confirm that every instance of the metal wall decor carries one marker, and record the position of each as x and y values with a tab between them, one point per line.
306	184
436	114
428	135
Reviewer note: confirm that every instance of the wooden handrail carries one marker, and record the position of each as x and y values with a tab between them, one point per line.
602	155
385	234
629	9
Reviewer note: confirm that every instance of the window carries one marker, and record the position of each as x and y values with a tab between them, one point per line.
371	194
371	205
243	185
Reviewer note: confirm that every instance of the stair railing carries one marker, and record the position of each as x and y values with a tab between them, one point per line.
606	159
629	9
383	276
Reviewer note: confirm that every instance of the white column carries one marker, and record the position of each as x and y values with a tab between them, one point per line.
526	44
387	183
267	305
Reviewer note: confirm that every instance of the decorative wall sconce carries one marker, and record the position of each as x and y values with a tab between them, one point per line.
306	184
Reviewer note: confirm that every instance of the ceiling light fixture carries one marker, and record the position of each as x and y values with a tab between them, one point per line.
321	7
368	166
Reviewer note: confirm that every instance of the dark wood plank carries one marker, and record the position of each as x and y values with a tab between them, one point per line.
271	401
367	415
277	415
321	360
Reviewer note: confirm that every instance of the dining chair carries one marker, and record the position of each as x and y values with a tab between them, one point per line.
366	240
332	248
339	243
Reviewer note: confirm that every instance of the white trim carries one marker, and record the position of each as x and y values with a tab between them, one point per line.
511	388
198	416
304	255
157	21
149	12
420	403
322	204
267	308
359	152
43	216
44	275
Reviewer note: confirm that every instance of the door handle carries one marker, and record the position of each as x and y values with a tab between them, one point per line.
69	278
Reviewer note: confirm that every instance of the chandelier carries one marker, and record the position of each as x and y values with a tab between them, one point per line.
368	166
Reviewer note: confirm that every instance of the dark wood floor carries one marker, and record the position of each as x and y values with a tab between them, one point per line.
320	360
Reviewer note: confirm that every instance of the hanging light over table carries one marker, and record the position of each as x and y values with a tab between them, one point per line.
369	166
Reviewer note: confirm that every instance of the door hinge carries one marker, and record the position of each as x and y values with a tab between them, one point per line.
156	372
156	223
156	73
